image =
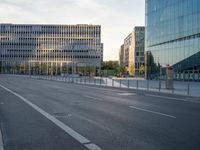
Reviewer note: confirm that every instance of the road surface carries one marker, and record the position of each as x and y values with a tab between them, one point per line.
50	115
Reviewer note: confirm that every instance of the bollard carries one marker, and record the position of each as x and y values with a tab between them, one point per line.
106	82
137	84
120	83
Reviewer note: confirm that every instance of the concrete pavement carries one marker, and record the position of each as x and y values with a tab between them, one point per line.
120	119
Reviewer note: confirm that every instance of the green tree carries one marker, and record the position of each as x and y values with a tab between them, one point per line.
142	69
132	70
110	65
123	70
43	68
117	71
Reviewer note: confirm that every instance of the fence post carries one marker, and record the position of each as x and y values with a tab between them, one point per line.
128	83
159	85
188	89
112	83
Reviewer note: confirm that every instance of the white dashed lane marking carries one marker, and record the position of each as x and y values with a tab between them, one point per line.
153	112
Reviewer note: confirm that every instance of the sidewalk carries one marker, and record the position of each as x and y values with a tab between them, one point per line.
181	88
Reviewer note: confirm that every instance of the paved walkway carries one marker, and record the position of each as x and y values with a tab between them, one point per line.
180	87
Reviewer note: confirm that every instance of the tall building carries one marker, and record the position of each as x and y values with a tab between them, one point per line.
173	38
134	51
121	55
49	49
136	54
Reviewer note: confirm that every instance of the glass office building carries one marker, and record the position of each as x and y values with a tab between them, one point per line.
173	38
50	49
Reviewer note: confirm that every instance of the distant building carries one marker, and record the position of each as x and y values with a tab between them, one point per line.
134	51
136	56
127	48
121	55
49	49
173	38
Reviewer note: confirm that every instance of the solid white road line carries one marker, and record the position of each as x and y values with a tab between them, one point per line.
60	124
154	112
94	98
172	98
1	141
92	146
126	94
102	88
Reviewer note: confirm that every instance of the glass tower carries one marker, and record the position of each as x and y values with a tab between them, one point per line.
173	37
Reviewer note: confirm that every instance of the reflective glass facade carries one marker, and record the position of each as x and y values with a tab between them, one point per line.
172	36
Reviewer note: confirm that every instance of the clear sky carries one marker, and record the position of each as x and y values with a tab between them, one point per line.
117	17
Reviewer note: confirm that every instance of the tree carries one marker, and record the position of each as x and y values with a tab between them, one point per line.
110	65
132	70
123	70
142	69
117	71
43	68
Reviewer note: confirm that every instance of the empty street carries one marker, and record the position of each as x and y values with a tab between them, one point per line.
50	115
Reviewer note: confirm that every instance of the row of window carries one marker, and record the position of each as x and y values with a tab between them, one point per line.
54	51
28	56
49	28
179	39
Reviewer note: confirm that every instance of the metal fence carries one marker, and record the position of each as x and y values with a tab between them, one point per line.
183	88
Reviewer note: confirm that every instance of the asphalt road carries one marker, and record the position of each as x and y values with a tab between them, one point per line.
50	115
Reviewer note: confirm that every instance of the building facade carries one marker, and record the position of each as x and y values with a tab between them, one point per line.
134	51
50	49
173	38
136	55
127	48
121	56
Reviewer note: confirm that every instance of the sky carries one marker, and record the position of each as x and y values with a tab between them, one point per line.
116	17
